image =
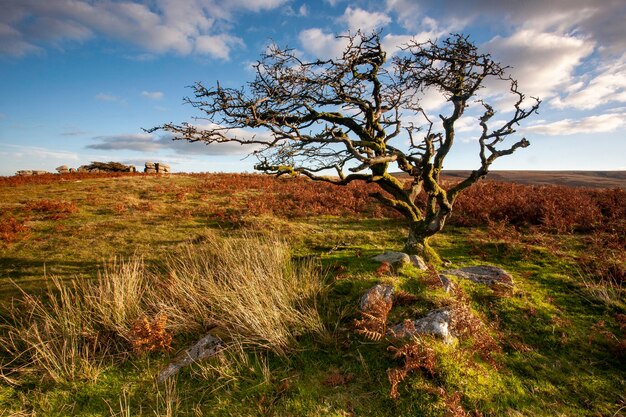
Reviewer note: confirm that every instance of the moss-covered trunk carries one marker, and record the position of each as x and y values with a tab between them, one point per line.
417	241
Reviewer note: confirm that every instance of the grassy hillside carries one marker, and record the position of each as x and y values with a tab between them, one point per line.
104	279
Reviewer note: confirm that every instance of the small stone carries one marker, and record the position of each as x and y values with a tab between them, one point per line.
436	323
375	295
446	283
418	262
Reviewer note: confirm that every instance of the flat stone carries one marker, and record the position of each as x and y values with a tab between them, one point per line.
484	274
436	323
376	294
393	258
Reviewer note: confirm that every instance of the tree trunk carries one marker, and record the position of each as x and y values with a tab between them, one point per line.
417	242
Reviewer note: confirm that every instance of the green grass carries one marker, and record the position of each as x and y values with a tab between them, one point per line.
555	359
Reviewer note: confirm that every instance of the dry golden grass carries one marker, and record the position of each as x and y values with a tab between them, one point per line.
247	287
248	290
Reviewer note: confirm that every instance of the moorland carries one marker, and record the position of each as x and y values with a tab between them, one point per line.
106	278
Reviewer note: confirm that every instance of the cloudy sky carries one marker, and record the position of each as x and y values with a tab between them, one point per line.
79	79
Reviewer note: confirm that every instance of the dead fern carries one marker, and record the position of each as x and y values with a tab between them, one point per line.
373	323
403	298
383	269
416	356
151	335
466	324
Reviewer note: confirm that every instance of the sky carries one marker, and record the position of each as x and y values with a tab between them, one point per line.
80	79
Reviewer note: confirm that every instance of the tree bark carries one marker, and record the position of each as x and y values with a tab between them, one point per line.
417	241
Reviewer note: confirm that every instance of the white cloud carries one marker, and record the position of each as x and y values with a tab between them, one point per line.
303	11
322	45
35	152
218	46
603	123
359	19
151	143
607	85
152	95
108	97
543	63
157	26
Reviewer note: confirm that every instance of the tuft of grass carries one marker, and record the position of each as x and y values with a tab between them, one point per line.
56	337
249	288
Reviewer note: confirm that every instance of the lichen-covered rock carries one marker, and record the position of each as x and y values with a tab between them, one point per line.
375	295
393	258
418	262
484	274
436	323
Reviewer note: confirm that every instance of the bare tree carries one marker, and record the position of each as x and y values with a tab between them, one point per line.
339	121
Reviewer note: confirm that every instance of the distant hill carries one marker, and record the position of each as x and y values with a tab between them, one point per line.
593	179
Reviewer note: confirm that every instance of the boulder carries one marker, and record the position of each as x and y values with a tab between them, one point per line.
376	294
40	172
483	274
24	173
63	169
72	170
163	168
436	323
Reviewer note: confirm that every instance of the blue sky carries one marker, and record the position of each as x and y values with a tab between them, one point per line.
79	79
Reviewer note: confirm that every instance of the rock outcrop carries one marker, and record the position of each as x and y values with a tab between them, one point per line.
150	168
28	172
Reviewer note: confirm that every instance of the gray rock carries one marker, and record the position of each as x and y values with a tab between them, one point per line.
393	258
63	169
40	172
24	173
149	170
374	295
418	262
484	274
446	283
436	323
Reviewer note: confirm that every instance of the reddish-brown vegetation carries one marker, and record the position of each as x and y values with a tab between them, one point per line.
12	229
16	180
51	209
151	335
